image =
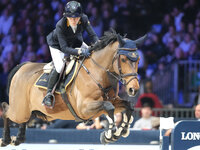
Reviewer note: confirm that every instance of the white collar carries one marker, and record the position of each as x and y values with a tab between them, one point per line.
74	28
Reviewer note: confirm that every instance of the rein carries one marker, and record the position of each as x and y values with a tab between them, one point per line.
105	91
119	77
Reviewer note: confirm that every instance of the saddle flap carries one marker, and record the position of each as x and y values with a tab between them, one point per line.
70	66
48	67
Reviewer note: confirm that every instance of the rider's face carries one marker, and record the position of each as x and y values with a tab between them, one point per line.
73	21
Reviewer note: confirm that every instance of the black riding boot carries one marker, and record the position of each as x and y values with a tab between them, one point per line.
53	78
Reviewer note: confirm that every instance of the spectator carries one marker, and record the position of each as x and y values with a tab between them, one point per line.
6	21
106	15
153	48
186	44
89	7
197	112
6	65
145	122
98	123
194	52
28	54
55	5
190	29
43	54
149	97
177	14
142	64
197	34
59	14
170	35
118	118
96	21
197	116
1	119
9	48
172	45
179	54
69	124
124	13
166	23
190	9
197	97
197	21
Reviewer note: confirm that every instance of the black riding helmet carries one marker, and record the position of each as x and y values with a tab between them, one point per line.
73	9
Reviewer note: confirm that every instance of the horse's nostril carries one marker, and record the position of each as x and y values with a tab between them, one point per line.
131	90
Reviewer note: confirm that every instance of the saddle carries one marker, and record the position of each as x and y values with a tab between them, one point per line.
70	72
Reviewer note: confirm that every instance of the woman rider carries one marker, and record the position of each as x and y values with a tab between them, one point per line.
64	39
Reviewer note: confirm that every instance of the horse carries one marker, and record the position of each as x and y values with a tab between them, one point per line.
113	58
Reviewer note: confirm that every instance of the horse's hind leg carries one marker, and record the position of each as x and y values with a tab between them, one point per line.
20	136
127	119
6	130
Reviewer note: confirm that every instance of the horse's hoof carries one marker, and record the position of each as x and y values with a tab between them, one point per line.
3	143
103	138
126	134
15	141
115	138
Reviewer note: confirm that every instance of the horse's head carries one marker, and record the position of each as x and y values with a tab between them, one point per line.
125	63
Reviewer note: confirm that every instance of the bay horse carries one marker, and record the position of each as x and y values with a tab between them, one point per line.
113	56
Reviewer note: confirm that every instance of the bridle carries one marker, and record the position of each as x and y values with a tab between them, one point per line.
119	77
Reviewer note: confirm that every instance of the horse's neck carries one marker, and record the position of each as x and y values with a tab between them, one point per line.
105	56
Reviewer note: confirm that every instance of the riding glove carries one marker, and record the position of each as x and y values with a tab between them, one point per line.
85	52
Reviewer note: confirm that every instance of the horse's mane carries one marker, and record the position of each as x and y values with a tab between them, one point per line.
109	37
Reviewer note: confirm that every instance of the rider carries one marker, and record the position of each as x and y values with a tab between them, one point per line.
64	39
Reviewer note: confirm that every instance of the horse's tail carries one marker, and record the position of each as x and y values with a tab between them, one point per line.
11	74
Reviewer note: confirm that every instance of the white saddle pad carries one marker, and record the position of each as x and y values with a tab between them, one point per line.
48	67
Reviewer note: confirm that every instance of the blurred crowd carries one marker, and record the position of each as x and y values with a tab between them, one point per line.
173	29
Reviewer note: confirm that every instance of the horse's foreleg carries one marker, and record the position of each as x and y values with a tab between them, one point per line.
94	107
21	135
106	136
6	130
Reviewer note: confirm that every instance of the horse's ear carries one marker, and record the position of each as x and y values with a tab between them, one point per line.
120	40
141	40
113	31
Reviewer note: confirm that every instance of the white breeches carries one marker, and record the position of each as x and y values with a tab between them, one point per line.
58	57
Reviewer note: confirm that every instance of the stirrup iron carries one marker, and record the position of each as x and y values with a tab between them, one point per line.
53	100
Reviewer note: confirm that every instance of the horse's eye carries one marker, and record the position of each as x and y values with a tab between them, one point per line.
123	60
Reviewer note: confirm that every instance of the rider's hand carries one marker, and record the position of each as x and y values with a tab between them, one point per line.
85	52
